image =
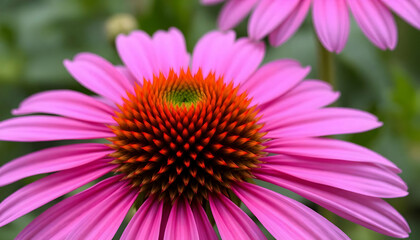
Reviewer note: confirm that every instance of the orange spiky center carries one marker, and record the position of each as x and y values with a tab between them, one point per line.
186	136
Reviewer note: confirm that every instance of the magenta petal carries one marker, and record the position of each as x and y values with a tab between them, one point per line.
274	79
171	51
376	21
233	12
67	103
181	223
409	10
283	217
308	95
211	1
146	222
291	24
231	221
324	148
242	61
49	188
363	178
51	160
322	122
204	227
99	76
137	52
104	219
332	23
370	212
50	128
211	51
268	15
59	220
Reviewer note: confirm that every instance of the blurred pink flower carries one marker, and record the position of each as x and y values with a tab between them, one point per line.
281	18
189	140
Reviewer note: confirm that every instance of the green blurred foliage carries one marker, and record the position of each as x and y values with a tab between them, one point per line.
37	35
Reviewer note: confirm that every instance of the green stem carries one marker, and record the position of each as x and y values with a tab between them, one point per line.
326	65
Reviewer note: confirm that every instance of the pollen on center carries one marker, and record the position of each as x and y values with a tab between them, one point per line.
186	136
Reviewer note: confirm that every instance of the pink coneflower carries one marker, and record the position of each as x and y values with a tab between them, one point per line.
185	142
281	18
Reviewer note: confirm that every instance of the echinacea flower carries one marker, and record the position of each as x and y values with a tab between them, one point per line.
281	18
185	143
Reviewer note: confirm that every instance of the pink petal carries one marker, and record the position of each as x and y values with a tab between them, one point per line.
99	76
171	51
242	61
146	222
291	24
231	221
283	217
52	160
211	1
370	212
307	96
137	52
274	79
211	50
332	23
38	193
50	128
409	10
233	12
363	178
322	122
128	75
268	15
104	219
332	149
59	220
204	227
67	103
181	223
376	21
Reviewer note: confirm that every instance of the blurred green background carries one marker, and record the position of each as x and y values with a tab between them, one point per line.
36	35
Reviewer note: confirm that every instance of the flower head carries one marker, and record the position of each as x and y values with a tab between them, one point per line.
185	141
281	18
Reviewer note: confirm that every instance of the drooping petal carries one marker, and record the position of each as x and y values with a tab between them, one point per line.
233	12
376	21
322	122
181	223
50	128
332	23
308	95
291	24
128	75
362	178
171	52
59	220
67	103
231	221
409	10
283	217
205	229
370	212
103	220
211	50
146	222
99	76
268	15
323	148
38	193
274	79
242	61
137	52
51	160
